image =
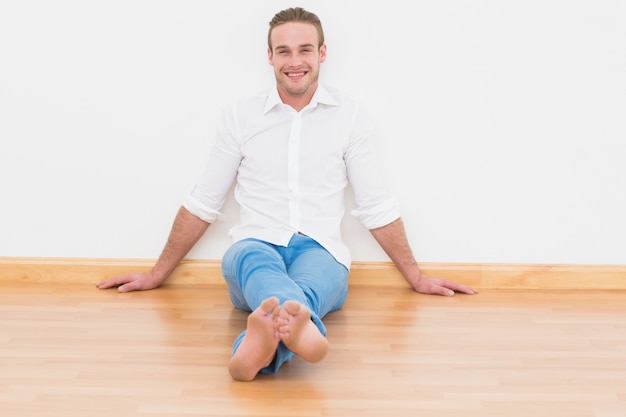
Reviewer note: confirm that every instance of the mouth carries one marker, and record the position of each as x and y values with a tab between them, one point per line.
295	75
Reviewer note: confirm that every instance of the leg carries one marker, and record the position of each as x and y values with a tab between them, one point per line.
255	271
322	280
315	284
324	283
258	346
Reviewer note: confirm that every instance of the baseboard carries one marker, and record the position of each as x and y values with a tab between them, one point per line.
196	272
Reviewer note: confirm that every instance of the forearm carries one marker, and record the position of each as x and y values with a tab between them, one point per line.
185	233
392	238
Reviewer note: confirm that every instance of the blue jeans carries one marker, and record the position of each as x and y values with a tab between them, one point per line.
302	271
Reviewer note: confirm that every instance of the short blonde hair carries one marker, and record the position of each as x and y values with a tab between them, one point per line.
296	14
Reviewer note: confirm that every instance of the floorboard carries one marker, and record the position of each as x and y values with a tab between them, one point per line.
72	350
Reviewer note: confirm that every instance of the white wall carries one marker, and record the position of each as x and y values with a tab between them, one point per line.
504	121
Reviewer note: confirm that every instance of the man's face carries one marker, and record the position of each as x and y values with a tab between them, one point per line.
296	59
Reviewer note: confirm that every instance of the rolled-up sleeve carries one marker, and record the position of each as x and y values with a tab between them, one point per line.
375	206
207	197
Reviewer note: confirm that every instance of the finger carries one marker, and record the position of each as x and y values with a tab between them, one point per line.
439	290
130	286
113	282
437	287
455	286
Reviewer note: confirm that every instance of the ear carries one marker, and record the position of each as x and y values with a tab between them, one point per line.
270	57
323	53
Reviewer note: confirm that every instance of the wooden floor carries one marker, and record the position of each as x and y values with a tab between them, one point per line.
72	350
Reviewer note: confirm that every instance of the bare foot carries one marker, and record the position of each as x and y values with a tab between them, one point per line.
258	346
299	333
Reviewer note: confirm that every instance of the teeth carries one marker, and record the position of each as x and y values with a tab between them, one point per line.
295	74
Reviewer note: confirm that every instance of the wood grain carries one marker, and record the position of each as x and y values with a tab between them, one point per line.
72	350
193	272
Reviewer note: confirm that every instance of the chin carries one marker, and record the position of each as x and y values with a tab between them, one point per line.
295	90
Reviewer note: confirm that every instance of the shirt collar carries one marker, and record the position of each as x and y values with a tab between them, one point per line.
321	96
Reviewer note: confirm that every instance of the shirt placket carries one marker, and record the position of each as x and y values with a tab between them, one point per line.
293	171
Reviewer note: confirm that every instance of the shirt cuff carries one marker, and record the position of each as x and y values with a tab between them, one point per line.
379	215
200	210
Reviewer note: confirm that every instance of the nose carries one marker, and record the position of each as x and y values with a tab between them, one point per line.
294	60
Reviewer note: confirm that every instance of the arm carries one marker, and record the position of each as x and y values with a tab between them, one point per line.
186	231
392	238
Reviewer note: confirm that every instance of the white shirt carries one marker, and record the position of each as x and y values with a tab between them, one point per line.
292	169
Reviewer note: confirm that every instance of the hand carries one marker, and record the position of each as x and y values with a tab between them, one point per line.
138	281
440	286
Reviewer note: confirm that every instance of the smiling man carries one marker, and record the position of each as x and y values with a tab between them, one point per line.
296	50
292	152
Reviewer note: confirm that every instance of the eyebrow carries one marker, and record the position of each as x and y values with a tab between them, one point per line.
305	45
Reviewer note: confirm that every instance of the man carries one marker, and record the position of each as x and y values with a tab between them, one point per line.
292	152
